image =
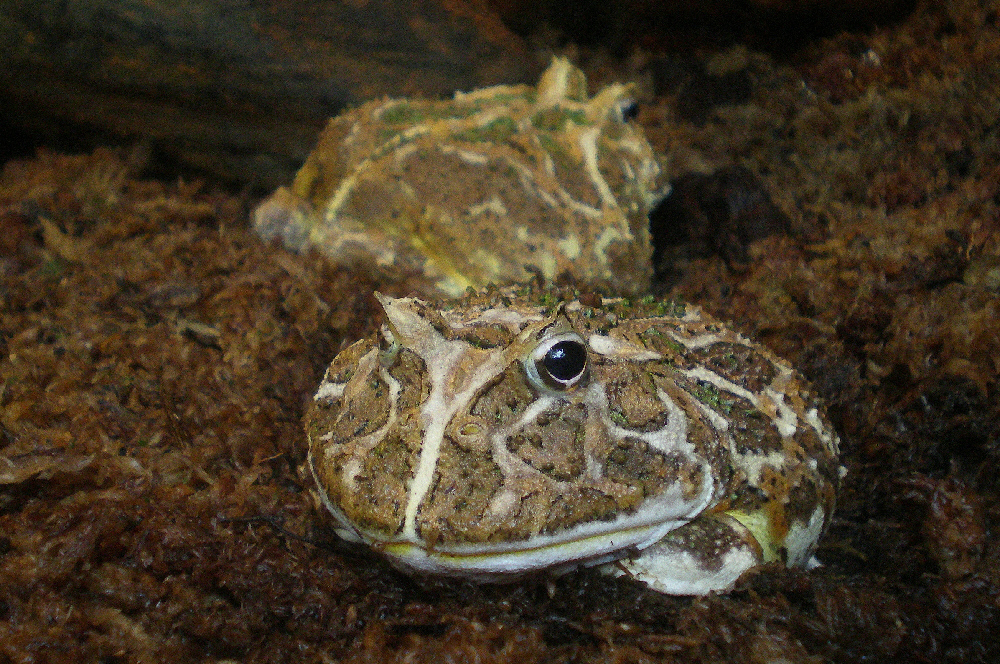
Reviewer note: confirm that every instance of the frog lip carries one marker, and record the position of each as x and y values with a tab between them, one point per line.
585	544
504	559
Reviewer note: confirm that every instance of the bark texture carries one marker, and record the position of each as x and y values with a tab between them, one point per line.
238	88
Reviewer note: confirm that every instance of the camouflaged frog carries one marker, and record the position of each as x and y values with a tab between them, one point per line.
496	185
516	430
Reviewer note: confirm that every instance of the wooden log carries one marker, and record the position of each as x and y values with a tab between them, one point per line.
240	89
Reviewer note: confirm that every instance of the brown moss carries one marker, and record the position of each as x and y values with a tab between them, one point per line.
157	358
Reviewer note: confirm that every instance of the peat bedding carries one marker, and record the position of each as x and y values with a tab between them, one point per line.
157	357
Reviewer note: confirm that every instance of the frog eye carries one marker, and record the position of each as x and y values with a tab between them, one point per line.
558	364
628	109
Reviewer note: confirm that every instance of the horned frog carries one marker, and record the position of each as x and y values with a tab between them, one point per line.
518	430
496	185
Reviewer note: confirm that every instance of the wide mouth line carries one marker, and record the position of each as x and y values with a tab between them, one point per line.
574	546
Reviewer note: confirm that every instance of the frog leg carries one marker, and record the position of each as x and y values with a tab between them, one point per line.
704	555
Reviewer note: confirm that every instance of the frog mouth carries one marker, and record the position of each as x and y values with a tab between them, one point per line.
585	546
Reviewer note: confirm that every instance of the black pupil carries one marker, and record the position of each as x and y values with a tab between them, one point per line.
565	360
630	110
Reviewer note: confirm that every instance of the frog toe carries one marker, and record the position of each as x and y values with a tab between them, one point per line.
705	555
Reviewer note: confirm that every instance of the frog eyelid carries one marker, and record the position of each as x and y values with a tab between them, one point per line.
558	364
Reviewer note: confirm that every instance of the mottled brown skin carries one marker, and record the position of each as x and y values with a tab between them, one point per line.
435	444
493	186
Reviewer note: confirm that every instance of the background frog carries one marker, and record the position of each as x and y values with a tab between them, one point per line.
493	186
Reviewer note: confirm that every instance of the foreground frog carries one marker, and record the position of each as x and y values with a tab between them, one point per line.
510	432
492	186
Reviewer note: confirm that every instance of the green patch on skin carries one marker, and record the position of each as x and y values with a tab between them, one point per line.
477	341
672	308
505	98
52	267
663	308
611	134
401	114
556	118
709	395
649	306
662	340
497	131
558	152
386	134
549	300
729	361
